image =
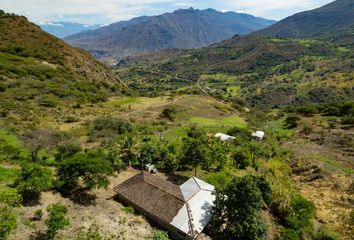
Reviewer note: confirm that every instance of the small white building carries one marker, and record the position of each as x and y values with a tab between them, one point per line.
259	135
224	137
150	168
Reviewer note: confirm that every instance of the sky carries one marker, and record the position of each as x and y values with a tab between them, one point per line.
109	11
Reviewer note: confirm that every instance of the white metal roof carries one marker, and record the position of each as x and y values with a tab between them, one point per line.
258	134
224	137
199	200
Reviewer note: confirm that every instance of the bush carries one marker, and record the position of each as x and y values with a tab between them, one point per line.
169	113
49	101
7	222
107	126
129	210
291	122
349	120
160	235
300	215
33	179
38	215
56	220
10	196
242	158
93	233
325	234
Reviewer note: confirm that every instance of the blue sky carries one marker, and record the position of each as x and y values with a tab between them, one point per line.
109	11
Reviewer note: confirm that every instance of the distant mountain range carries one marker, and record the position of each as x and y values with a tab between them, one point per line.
331	20
64	29
182	29
295	64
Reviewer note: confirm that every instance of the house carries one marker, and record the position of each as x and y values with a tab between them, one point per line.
259	135
225	137
184	211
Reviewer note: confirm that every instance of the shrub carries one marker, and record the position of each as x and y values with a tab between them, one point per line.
10	196
300	215
93	233
326	234
169	113
7	222
38	215
33	179
56	220
349	120
106	126
291	122
242	158
49	101
160	235
129	210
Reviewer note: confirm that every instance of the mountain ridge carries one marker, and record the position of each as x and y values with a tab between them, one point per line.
324	21
183	28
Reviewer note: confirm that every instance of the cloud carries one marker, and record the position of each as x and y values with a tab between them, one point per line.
107	11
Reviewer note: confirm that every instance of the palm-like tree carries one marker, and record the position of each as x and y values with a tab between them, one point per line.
128	148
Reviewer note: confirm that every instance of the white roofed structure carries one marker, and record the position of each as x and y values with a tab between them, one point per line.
259	135
195	215
224	137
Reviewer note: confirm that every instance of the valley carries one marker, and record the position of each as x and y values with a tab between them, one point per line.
75	132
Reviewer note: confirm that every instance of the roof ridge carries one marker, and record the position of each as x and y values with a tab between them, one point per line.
182	199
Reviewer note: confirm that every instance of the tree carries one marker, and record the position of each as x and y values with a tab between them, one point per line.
92	168
237	210
159	153
7	222
194	153
39	139
128	149
33	179
218	154
242	158
67	150
57	220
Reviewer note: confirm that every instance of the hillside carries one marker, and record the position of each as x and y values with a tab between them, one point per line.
184	29
264	71
64	29
39	70
332	20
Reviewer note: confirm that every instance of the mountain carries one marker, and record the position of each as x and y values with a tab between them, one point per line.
63	29
182	29
333	19
39	70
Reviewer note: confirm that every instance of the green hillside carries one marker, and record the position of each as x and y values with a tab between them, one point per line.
264	70
38	71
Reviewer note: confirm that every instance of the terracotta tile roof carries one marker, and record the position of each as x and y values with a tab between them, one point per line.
153	194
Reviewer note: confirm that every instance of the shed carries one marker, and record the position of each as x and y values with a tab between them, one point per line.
258	135
225	137
184	211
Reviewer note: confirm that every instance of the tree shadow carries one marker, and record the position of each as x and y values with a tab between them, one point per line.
31	200
38	235
81	196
